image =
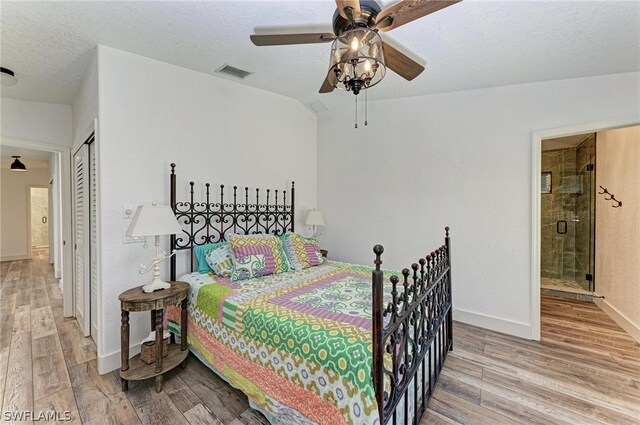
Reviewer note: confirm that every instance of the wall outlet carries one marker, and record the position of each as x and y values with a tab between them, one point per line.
131	239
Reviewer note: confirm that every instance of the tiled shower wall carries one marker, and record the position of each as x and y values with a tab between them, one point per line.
568	256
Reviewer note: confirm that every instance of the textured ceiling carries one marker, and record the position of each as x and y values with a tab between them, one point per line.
473	44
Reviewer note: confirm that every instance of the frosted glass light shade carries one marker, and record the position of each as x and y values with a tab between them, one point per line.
153	220
314	218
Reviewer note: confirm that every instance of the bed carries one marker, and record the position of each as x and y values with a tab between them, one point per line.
336	343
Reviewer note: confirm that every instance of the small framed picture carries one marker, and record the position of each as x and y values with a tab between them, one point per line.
546	182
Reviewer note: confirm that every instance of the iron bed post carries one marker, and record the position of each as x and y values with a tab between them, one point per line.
447	244
172	179
378	343
293	206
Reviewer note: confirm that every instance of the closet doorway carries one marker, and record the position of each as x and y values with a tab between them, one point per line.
85	258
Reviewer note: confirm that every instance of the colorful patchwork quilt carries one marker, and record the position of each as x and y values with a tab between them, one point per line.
297	343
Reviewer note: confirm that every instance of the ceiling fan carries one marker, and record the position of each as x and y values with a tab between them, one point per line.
359	57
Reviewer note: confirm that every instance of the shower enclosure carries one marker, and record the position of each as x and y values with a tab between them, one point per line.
568	217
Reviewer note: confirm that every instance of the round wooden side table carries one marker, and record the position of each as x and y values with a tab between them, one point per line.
136	299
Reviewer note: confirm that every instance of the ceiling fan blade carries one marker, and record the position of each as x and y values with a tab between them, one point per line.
408	10
326	87
282	39
400	63
349	9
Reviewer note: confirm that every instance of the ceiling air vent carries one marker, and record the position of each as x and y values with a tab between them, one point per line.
233	71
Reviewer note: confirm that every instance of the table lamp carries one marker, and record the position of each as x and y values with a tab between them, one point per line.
154	220
314	218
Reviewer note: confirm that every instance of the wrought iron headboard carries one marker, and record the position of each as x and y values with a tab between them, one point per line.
210	220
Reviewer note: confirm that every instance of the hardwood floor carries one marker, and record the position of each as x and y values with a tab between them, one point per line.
585	370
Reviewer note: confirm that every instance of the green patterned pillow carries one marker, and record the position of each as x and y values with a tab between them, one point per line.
267	245
301	251
249	267
220	260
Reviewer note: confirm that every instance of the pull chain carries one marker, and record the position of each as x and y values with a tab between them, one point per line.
365	107
356	111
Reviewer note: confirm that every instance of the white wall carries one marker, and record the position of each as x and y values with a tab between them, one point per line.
85	104
460	159
56	213
37	122
14	204
151	114
617	269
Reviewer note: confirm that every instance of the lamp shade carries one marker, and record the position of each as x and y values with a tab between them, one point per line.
314	218
153	220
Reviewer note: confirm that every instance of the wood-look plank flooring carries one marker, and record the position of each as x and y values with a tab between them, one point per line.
586	370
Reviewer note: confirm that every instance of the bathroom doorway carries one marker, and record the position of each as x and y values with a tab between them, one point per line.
567	216
39	216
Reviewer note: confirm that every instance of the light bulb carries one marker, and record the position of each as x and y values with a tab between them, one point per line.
367	66
355	44
337	55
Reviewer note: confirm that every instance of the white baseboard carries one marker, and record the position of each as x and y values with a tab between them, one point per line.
626	324
522	330
111	362
14	257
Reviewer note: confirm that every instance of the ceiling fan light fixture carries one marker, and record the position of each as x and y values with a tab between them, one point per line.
17	165
8	78
357	60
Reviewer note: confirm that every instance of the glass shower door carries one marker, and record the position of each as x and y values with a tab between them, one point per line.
585	214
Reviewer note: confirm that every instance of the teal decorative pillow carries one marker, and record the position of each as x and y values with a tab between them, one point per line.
201	252
248	267
220	260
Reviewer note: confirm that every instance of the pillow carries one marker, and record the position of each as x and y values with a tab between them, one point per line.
268	245
220	259
249	267
201	251
302	252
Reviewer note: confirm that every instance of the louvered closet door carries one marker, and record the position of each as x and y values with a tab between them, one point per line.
82	263
93	252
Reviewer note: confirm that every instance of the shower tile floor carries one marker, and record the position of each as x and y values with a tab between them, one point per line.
564	288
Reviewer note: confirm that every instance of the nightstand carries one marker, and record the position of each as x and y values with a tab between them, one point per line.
324	253
136	300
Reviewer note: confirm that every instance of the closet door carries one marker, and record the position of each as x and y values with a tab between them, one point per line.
82	262
93	251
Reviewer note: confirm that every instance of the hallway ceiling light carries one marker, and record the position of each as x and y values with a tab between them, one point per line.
8	77
17	165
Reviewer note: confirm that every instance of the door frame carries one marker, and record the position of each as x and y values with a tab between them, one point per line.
29	187
536	169
64	176
81	139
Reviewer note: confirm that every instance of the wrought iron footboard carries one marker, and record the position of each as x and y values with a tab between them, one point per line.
412	334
